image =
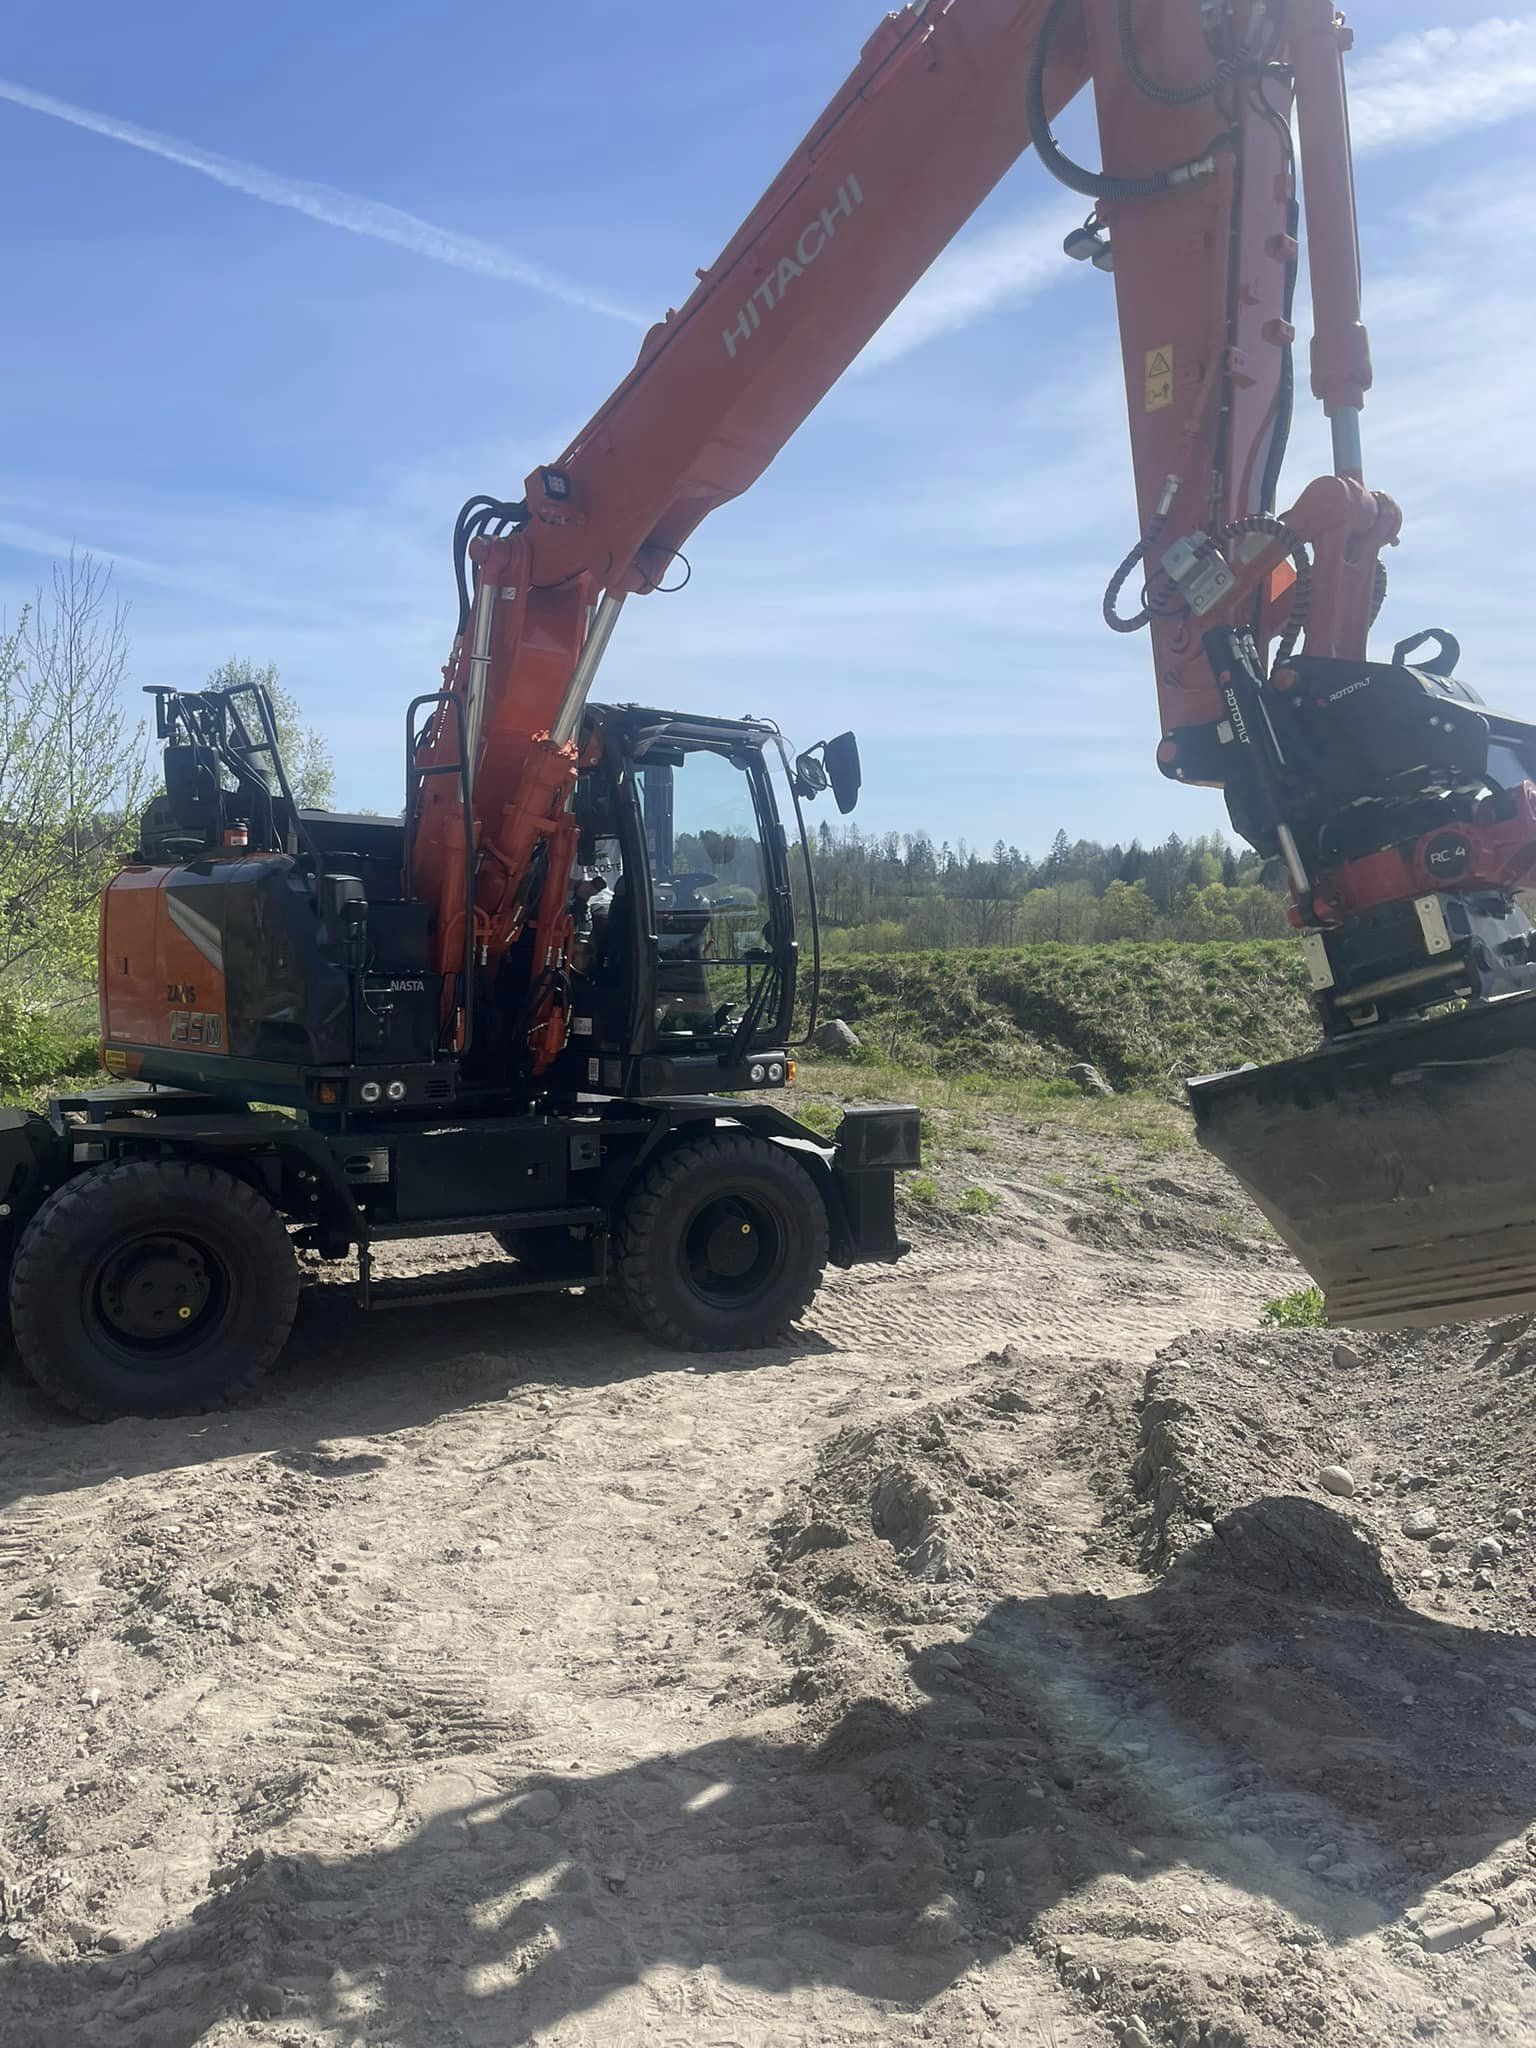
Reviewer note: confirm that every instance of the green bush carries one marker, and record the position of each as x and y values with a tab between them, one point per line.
922	1187
36	1048
979	1202
1302	1310
821	1117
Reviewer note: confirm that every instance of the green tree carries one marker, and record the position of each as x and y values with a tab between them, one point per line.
1208	913
73	776
1126	911
306	755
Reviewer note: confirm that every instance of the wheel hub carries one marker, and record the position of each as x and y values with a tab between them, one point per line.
733	1244
733	1248
155	1290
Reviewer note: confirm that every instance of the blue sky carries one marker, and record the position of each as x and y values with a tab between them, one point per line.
286	285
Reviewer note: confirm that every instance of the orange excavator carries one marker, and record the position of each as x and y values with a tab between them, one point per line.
551	1003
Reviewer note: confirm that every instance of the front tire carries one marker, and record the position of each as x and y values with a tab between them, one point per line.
722	1244
150	1288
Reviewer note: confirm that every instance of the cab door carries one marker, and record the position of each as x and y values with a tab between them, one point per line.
721	934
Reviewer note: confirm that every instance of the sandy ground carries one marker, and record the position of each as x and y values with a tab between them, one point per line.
988	1665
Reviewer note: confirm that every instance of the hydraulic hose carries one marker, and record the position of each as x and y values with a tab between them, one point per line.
1097	184
1173	95
477	516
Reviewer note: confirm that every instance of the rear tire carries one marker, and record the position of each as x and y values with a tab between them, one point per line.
722	1244
150	1288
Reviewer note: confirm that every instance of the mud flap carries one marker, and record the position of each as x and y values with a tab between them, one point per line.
1399	1166
33	1160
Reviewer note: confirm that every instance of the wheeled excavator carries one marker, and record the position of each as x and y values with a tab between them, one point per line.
551	1004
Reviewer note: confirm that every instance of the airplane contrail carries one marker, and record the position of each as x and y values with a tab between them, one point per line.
327	203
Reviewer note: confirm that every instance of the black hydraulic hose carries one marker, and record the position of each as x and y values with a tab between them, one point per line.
1096	184
477	516
1173	95
1301	562
467	512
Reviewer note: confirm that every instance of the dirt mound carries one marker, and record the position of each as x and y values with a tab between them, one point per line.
1232	1744
1422	1442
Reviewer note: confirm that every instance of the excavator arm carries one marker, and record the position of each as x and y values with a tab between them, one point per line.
1404	813
1196	212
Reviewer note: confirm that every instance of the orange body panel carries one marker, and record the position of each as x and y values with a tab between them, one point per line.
162	981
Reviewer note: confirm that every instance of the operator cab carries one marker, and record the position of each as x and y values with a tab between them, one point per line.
685	897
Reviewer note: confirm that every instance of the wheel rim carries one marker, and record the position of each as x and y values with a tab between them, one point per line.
156	1296
733	1249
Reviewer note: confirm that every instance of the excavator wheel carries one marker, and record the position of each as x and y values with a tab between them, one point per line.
722	1244
150	1288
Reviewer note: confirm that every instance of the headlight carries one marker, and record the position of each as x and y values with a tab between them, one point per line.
370	1091
759	1074
776	1071
396	1091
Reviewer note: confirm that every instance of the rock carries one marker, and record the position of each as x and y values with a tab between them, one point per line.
1322	1858
1420	1524
940	1925
1428	1580
835	1036
1441	1546
111	1943
979	1881
1089	1079
535	1809
1487	1550
1346	1358
1483	1582
1449	1579
1337	1479
1465	1922
263	2001
1514	1519
1414	1482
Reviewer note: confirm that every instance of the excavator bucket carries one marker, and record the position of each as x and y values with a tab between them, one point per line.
1399	1166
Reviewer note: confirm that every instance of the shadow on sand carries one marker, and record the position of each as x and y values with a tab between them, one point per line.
1270	1702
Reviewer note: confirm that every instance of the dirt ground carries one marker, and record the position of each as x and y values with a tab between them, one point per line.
991	1664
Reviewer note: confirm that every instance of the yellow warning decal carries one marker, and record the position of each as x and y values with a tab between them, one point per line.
1159	378
114	1061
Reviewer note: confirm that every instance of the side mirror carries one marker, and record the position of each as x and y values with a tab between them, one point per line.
843	770
834	765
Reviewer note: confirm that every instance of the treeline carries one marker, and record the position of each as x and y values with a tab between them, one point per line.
899	892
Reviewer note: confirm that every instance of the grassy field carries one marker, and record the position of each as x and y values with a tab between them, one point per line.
1148	1016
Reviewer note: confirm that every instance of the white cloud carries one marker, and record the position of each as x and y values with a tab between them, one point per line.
1004	266
326	203
1442	82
